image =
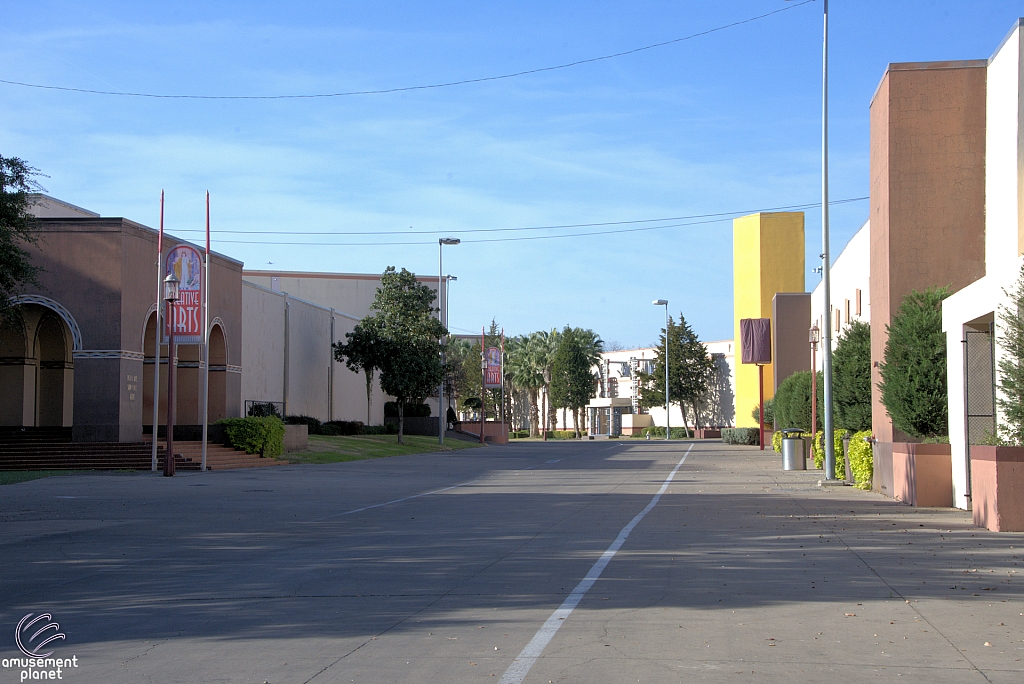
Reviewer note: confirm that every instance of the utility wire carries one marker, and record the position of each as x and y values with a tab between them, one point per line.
523	238
447	84
530	228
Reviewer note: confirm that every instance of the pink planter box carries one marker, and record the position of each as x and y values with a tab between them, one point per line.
997	488
922	474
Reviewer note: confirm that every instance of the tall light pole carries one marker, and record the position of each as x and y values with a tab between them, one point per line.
170	297
442	316
668	429
830	452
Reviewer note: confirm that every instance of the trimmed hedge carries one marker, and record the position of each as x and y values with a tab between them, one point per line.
380	429
342	428
748	436
310	422
411	410
658	431
263	436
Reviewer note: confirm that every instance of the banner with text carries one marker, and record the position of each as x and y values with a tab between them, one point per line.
185	262
492	369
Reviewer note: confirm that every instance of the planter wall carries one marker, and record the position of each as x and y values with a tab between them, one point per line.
997	488
494	432
922	474
882	478
296	438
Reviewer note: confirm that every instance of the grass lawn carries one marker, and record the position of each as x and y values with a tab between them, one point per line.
15	476
323	449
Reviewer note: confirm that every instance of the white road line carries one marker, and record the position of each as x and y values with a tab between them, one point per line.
519	668
393	501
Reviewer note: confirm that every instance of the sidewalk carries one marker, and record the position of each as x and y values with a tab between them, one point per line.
778	579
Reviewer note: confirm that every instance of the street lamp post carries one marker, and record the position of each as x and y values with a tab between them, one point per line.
170	297
830	452
442	315
815	338
668	429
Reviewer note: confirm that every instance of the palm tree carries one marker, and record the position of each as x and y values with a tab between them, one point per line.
592	346
526	373
544	345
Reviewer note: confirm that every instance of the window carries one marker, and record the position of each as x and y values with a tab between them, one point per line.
846	305
837	320
857	297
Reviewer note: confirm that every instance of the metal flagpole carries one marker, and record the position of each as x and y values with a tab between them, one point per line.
159	331
206	336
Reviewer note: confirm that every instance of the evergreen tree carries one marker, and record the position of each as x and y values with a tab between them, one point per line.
851	378
1011	365
572	380
689	374
913	383
792	402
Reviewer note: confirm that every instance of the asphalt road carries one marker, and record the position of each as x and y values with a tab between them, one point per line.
532	563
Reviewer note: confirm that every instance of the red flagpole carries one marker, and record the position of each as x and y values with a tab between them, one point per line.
158	326
206	337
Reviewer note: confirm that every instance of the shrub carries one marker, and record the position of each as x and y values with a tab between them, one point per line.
861	461
793	401
851	377
818	450
913	382
1011	366
518	434
658	431
411	410
263	436
750	436
769	412
310	422
391	429
342	428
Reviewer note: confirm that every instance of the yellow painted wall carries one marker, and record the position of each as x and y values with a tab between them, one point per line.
768	257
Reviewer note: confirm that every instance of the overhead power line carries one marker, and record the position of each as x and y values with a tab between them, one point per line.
529	228
447	84
707	219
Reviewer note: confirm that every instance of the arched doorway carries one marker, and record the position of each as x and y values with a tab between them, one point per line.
148	366
218	359
36	369
54	373
14	367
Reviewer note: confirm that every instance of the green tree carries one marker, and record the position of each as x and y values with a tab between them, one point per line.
851	378
792	402
361	353
690	369
17	182
913	374
572	380
1011	364
405	338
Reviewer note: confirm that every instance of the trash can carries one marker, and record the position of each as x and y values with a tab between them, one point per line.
794	450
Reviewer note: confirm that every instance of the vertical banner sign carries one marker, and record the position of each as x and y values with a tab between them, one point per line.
185	263
492	371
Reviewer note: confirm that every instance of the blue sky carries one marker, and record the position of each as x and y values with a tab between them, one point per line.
725	122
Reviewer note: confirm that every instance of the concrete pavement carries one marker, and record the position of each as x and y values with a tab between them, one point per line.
443	568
